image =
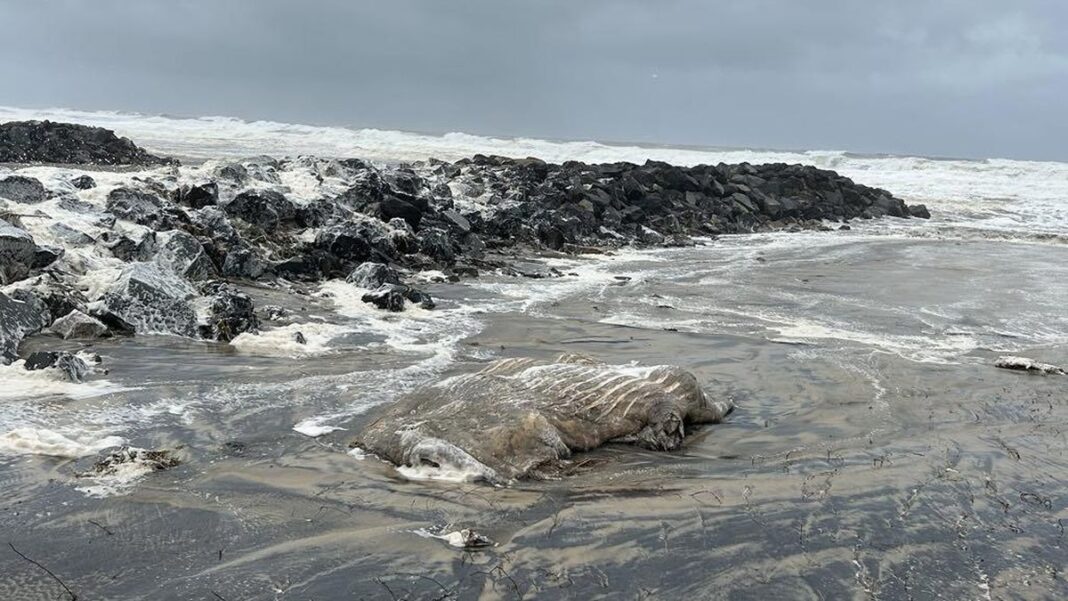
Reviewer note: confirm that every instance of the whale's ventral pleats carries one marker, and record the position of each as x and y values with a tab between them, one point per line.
516	416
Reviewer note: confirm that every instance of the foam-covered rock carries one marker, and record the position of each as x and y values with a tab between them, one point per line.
230	312
72	367
18	253
21	189
78	325
21	314
267	209
371	275
150	299
183	254
49	142
142	208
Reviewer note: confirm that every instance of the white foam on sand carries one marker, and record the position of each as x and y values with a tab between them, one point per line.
415	330
282	341
41	441
18	383
314	427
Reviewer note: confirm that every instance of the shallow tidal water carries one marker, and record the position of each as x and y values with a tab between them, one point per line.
875	452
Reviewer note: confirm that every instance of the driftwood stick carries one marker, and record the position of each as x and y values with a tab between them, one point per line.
73	597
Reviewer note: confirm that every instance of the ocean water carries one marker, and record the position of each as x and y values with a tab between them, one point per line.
875	451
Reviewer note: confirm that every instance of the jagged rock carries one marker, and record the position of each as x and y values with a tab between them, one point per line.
48	142
516	416
150	300
457	220
69	235
436	244
45	256
919	211
183	254
21	314
76	205
392	297
392	207
198	197
243	263
59	296
142	208
232	171
389	297
419	297
18	253
264	208
78	325
650	236
71	366
348	242
373	275
21	189
137	245
83	182
230	313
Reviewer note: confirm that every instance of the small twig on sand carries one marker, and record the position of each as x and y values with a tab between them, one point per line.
386	586
73	597
102	527
218	596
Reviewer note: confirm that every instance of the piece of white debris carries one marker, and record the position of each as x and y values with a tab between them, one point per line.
1025	364
465	538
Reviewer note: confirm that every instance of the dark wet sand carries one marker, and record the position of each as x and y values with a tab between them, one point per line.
844	474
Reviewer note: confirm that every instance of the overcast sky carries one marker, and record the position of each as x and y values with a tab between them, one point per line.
969	78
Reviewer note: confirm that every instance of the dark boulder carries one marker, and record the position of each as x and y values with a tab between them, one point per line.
264	208
24	190
143	208
349	242
393	297
243	263
72	367
183	254
137	246
45	256
418	297
198	197
48	142
919	211
70	236
457	220
389	297
18	253
436	244
21	314
230	313
373	275
83	182
392	207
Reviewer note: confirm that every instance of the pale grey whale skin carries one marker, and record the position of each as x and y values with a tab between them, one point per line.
505	421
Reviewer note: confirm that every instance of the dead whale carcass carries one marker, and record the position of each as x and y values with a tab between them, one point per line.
515	415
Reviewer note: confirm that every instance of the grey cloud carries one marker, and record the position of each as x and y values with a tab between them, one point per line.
941	77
